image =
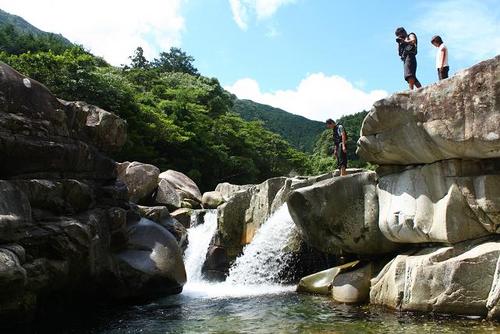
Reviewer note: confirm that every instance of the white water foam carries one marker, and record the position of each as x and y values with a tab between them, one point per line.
253	273
263	258
199	239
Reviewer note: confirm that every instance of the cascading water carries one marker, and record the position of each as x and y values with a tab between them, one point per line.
264	257
254	272
199	239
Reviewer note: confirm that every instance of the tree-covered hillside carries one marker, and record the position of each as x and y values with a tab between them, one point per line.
299	131
18	36
177	118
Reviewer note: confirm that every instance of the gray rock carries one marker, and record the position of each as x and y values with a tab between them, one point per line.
353	286
154	252
454	118
212	199
141	179
436	203
321	282
459	279
340	213
15	212
185	187
227	190
167	195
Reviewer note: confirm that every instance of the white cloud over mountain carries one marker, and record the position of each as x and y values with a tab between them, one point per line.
111	29
317	96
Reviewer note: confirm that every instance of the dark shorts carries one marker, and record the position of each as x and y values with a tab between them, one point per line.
341	158
443	74
410	67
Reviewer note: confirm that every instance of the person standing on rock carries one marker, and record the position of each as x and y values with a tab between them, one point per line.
339	145
407	49
441	57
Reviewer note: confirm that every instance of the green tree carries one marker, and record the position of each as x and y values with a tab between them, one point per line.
175	60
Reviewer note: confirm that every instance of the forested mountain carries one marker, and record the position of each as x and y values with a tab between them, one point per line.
177	118
19	36
299	131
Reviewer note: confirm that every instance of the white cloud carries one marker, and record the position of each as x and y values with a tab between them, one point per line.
111	29
317	96
243	10
470	28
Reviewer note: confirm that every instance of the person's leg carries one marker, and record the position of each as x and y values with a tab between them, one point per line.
444	72
411	83
417	83
440	75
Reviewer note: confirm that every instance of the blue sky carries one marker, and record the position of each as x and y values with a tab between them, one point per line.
316	58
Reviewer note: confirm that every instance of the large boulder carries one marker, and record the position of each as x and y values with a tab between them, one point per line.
259	209
141	179
454	118
167	195
104	130
41	136
153	258
212	199
459	279
448	201
227	190
340	213
185	187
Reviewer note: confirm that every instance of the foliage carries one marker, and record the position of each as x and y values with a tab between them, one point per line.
299	131
17	42
176	118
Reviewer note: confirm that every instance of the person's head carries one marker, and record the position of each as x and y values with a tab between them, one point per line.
330	123
401	32
436	40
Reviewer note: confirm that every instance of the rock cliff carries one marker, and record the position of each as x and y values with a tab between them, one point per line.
67	229
437	196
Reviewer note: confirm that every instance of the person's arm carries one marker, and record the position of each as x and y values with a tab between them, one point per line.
411	39
344	142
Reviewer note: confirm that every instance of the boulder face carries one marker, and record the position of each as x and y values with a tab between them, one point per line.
448	201
459	279
185	187
65	220
141	179
454	118
340	213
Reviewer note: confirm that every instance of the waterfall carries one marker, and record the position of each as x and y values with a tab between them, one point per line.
199	239
264	257
255	272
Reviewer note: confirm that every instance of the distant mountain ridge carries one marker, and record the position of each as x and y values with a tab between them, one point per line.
299	131
23	26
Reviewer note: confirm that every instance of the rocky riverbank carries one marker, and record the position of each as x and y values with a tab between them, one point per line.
426	224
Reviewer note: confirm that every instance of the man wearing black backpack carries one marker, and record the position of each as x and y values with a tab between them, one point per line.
339	145
407	49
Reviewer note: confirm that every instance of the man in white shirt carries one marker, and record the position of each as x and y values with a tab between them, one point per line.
441	57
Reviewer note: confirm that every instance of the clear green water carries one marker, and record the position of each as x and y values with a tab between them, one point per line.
285	312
